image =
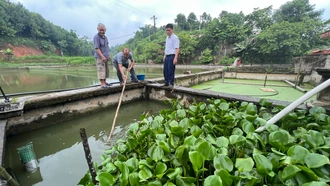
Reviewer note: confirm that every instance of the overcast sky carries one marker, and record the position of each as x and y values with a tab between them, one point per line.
124	17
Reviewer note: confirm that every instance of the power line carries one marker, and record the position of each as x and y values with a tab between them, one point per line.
121	36
133	7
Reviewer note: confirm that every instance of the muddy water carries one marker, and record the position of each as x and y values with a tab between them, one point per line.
59	149
15	80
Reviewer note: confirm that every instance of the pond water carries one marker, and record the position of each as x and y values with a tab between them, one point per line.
15	80
278	90
59	149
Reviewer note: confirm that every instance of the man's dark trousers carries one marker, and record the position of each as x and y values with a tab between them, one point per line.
169	70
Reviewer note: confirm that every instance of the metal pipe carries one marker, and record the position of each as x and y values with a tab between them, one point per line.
50	91
295	104
295	86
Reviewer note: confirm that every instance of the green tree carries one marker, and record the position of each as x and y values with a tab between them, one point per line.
207	56
182	22
187	47
297	11
205	20
192	21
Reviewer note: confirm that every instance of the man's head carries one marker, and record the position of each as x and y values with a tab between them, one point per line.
169	29
101	29
126	52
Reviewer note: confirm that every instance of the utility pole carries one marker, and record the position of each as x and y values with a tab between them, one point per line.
154	18
200	22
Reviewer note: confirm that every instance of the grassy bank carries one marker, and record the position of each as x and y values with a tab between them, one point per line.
47	61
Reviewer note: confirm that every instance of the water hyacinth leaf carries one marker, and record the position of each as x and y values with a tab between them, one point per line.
314	160
272	128
244	164
210	139
122	148
181	113
234	139
86	179
196	131
226	178
183	182
173	173
169	184
131	144
145	173
224	106
196	160
160	169
134	179
184	123
251	118
105	179
181	153
309	173
190	140
317	110
297	154
260	122
124	171
132	164
154	183
156	153
174	141
279	139
317	137
223	162
223	151
237	131
206	150
315	183
267	116
222	142
193	108
161	137
165	146
247	126
212	181
251	109
289	172
264	166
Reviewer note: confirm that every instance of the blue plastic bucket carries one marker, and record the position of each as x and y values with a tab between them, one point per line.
140	77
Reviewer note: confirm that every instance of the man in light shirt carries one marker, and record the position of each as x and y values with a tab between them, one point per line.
171	55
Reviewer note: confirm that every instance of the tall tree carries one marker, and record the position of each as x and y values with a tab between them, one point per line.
181	21
192	21
297	11
205	20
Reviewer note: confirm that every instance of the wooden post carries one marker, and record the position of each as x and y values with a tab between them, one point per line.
88	155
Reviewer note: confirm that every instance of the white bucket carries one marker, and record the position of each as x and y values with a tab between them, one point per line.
31	166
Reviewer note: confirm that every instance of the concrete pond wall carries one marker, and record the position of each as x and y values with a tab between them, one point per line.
48	109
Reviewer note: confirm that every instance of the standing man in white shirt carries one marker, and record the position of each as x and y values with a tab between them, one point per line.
171	55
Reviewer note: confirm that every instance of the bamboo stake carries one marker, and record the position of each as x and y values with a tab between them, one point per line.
120	99
6	176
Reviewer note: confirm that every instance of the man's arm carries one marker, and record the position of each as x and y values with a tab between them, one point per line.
177	50
98	51
132	62
120	66
175	61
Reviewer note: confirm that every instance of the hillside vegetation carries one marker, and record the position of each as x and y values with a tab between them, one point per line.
264	36
19	26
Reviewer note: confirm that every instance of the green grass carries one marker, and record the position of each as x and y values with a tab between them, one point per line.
44	60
